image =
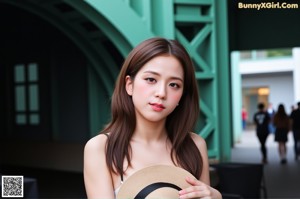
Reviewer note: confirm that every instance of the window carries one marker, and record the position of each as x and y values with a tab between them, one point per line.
26	87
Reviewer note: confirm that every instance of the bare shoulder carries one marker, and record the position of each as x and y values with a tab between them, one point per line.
97	177
199	141
94	151
96	143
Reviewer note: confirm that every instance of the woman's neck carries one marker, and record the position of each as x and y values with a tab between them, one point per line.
149	131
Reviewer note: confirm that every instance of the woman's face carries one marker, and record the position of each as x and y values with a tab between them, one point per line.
157	88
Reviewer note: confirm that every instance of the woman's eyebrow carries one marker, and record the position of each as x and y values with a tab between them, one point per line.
152	72
156	73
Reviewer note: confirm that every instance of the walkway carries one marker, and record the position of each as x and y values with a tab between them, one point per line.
283	181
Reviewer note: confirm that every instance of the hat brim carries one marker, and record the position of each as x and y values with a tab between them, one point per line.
159	181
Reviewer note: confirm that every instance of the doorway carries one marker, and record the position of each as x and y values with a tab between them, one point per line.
251	97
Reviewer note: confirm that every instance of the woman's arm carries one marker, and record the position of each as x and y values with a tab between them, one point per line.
97	177
201	188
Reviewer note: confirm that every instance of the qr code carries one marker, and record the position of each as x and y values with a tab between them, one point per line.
12	186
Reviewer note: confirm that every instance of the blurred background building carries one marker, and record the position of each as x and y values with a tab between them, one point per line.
270	78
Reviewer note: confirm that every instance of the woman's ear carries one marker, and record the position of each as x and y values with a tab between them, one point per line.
128	85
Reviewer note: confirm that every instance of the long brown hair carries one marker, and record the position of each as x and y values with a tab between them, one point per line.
281	119
179	123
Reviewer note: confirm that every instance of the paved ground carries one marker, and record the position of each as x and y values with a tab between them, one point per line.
283	181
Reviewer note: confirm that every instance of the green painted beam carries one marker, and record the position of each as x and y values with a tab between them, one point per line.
122	17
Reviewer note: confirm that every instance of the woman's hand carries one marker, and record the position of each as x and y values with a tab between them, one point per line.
198	190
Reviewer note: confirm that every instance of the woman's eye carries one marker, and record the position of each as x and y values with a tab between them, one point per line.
150	80
174	85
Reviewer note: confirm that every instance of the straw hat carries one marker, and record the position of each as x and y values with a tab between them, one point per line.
159	182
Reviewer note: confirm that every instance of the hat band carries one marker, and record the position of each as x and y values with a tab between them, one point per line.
151	187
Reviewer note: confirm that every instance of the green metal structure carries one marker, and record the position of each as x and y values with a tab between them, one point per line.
200	25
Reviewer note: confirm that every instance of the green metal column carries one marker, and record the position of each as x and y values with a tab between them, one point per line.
224	81
202	27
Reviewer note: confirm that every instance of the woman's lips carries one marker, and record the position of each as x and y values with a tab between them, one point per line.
157	107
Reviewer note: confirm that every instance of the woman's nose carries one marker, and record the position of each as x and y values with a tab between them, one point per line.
161	91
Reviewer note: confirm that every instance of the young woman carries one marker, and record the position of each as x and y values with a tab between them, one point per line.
155	106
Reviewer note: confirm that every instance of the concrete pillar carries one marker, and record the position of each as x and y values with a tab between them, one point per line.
296	73
236	87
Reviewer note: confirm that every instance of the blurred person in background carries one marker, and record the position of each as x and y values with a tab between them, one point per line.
295	118
282	125
271	113
244	117
261	118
